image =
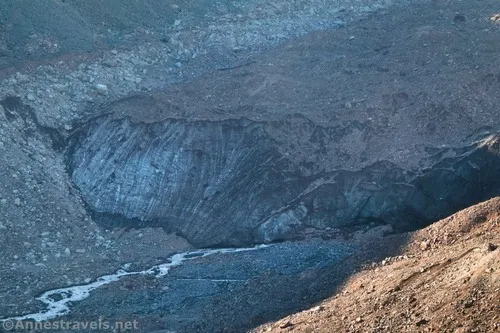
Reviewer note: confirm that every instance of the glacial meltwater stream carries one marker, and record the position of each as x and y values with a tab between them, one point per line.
57	301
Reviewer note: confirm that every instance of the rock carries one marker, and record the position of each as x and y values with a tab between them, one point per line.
490	247
459	18
59	87
67	251
110	63
463	330
422	322
286	324
3	201
102	89
22	78
424	245
318	308
30	97
177	23
17	202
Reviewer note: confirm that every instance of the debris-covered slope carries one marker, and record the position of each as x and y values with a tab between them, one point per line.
447	279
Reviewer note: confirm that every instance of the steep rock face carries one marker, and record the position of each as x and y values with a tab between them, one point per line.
210	181
226	182
384	193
